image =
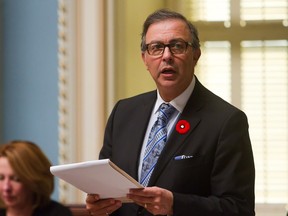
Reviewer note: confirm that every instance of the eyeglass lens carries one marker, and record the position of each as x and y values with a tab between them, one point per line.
177	47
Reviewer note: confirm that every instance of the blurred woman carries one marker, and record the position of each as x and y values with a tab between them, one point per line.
26	183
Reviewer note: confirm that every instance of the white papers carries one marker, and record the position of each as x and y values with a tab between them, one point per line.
97	177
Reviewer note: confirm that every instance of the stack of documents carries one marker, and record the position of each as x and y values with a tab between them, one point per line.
101	177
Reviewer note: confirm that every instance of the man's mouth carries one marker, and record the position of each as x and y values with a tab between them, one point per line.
167	71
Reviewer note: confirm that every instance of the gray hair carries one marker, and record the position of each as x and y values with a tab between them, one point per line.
164	14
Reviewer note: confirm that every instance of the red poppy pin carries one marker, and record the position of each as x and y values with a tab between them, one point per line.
182	126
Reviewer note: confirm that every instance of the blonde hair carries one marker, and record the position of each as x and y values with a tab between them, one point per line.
32	167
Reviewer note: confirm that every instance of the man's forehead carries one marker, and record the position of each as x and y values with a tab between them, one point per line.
166	22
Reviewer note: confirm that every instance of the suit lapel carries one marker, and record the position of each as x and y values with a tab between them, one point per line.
139	128
176	140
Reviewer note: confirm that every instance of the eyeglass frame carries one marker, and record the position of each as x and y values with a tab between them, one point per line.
169	46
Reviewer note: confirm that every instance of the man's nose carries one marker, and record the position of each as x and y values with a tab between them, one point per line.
167	54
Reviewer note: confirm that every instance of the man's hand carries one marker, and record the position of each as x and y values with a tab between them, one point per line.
101	207
157	201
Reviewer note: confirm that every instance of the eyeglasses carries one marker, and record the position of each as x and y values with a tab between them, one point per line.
175	47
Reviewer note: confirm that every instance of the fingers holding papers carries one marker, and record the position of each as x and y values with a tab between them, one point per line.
157	201
101	207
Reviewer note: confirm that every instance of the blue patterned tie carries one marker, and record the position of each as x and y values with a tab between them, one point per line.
156	141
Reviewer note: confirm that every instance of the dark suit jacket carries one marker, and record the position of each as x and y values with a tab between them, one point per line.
217	180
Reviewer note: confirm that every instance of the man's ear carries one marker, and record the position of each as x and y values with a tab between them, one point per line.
196	54
144	59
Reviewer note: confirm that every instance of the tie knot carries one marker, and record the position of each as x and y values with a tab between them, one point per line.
165	112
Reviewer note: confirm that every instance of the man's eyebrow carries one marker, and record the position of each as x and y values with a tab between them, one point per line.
155	41
176	40
172	40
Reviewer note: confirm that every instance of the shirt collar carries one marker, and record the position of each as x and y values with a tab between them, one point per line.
179	102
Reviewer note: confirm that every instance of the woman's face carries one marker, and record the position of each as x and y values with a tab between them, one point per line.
13	193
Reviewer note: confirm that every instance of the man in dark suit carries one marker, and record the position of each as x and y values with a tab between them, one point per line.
206	166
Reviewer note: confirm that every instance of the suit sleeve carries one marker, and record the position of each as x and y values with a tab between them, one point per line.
232	176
